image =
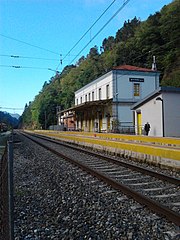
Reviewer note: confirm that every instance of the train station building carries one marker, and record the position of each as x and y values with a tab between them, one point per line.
162	110
104	105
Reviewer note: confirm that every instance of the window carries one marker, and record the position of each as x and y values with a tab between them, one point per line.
99	93
86	98
136	89
107	91
77	101
92	96
89	96
81	99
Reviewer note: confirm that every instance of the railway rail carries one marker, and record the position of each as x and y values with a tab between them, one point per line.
157	191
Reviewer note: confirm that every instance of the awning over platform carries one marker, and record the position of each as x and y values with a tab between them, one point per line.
86	105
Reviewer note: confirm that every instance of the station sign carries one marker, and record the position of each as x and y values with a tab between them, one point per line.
136	79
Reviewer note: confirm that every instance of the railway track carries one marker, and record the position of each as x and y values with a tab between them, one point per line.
158	192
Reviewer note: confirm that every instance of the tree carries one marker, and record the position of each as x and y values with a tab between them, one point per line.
108	43
135	44
128	30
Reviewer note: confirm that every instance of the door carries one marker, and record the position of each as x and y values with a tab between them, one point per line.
139	123
100	122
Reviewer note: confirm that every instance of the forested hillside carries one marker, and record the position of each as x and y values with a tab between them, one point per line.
134	44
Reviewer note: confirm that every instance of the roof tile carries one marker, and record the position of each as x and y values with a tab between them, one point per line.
132	68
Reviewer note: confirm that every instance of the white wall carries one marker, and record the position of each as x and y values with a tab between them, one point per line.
94	86
172	114
152	112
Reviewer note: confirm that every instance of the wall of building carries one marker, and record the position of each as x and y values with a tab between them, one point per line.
151	112
125	115
125	95
172	114
94	86
124	84
121	85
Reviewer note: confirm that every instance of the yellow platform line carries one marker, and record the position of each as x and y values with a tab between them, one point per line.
175	142
162	152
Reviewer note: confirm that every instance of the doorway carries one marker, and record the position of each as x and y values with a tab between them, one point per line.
139	123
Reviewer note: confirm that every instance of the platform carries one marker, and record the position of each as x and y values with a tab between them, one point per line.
163	152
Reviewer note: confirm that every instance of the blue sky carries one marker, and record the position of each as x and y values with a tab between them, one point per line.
41	32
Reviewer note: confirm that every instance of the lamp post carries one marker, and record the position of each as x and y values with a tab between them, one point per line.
160	99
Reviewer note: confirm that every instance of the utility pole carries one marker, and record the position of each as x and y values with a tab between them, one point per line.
45	120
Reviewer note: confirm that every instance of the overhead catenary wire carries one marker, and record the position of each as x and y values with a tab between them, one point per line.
29	44
89	29
160	48
155	49
38	68
11	108
61	59
16	56
122	6
28	57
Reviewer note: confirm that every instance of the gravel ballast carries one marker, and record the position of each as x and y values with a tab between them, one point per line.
56	200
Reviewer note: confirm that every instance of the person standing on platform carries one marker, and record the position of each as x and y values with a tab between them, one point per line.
147	128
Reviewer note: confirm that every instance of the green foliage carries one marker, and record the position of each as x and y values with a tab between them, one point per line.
26	120
134	44
108	43
127	31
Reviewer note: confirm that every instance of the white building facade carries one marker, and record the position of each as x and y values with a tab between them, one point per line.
105	104
162	110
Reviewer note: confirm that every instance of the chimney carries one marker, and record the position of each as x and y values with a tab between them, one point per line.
154	68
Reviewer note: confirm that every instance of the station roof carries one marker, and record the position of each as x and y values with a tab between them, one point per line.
86	105
133	68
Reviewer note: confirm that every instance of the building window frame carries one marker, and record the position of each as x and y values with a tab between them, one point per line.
100	94
93	96
107	91
136	89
